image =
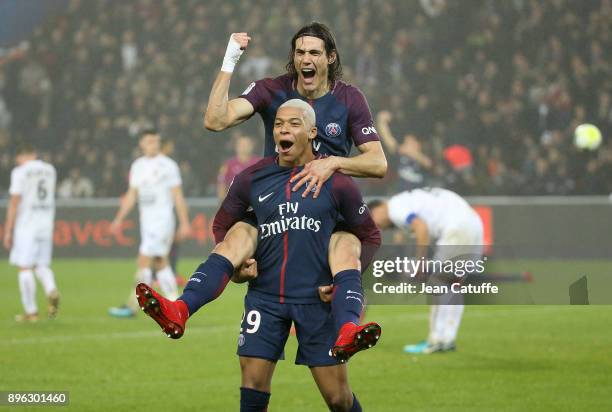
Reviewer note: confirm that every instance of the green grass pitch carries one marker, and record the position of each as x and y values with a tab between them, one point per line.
509	358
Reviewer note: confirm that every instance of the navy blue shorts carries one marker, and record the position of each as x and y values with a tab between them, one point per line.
265	328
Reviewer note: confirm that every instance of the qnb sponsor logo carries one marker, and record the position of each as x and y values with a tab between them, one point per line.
289	223
368	130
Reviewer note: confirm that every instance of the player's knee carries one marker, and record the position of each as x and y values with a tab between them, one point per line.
344	252
340	401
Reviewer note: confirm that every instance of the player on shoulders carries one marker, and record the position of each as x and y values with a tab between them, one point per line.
342	115
28	230
291	237
155	183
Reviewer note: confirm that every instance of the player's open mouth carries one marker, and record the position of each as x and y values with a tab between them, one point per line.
284	146
308	74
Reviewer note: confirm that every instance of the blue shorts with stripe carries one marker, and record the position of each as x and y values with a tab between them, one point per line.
265	328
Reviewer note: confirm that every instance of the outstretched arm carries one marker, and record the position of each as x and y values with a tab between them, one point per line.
222	113
370	163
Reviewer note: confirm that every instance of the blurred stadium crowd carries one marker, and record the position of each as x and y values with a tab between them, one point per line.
489	91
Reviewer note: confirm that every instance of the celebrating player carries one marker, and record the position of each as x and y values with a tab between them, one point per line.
155	181
292	237
440	215
28	230
342	115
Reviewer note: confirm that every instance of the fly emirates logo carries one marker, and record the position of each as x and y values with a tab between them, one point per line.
289	220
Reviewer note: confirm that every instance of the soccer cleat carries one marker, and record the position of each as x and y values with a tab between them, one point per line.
169	315
426	348
121	312
27	318
53	300
416	348
354	338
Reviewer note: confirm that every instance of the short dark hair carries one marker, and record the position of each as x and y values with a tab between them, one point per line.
320	31
147	131
24	148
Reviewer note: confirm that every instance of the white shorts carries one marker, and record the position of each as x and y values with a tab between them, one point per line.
156	242
30	249
465	237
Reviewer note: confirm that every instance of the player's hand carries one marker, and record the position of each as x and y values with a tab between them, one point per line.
384	116
115	227
183	232
237	44
325	293
242	39
8	240
314	175
246	272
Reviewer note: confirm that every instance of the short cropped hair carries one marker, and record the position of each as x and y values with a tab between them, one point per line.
24	148
148	131
307	110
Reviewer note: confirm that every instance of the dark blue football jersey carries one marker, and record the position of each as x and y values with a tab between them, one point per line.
294	232
343	115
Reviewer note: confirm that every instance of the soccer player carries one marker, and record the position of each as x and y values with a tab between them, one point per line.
440	216
29	230
292	236
155	182
342	115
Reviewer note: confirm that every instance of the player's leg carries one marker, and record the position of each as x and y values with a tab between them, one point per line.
144	274
23	256
256	383
332	382
348	299
165	276
27	289
46	276
206	283
264	330
316	333
211	277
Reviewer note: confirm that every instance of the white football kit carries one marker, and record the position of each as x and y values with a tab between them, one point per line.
458	232
34	181
154	178
450	219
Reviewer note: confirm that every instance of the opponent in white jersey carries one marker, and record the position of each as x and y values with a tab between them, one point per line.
155	183
441	217
29	229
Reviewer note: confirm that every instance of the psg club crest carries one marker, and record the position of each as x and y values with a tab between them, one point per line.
332	129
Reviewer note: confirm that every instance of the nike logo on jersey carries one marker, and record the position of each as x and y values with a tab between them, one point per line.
356	293
262	198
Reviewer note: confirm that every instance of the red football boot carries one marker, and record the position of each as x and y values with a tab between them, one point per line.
354	338
170	315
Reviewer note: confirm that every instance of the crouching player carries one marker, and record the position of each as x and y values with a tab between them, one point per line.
293	235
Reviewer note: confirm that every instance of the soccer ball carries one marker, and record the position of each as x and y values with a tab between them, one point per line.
587	136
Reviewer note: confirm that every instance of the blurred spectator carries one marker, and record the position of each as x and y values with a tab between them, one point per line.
75	186
412	165
508	80
244	157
